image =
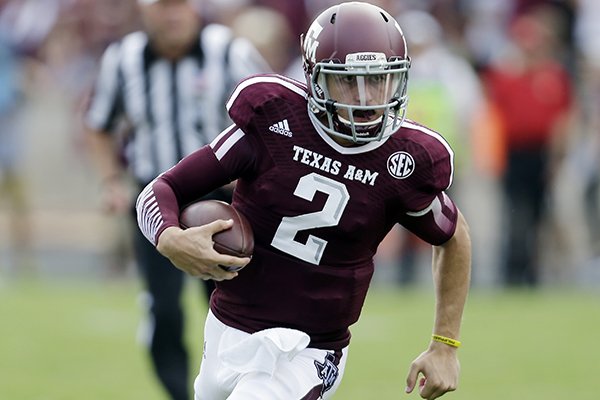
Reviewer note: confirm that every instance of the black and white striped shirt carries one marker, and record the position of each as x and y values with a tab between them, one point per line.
174	107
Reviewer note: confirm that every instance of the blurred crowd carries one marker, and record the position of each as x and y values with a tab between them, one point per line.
514	86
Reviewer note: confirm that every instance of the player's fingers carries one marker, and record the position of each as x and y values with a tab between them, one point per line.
411	379
434	395
427	389
214	273
218	225
431	391
235	268
231	263
225	276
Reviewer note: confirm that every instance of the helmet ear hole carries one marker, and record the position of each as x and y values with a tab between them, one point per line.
332	20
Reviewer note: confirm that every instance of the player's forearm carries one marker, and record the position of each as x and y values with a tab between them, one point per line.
451	273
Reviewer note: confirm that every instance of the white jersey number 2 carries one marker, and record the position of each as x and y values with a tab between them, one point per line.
330	215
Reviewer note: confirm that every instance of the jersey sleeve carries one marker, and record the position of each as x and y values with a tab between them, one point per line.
227	158
435	224
106	105
430	213
158	205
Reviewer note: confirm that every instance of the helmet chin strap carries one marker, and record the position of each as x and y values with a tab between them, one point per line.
330	106
360	124
350	128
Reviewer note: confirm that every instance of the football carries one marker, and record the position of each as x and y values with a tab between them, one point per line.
237	241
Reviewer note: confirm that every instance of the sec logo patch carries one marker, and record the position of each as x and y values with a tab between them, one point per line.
400	165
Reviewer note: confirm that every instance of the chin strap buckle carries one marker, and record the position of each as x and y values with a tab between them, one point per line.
330	106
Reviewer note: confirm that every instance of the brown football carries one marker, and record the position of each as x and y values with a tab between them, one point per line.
237	241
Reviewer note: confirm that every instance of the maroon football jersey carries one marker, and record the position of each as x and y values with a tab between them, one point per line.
318	210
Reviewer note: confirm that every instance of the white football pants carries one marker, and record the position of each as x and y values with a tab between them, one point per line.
273	364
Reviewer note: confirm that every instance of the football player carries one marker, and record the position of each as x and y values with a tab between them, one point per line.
324	171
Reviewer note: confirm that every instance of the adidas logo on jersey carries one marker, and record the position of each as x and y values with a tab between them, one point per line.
282	128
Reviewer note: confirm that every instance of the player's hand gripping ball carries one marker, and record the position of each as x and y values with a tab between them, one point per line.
236	241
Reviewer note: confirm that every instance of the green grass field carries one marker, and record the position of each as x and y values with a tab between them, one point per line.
77	340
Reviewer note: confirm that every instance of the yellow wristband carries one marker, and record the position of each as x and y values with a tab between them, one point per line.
446	340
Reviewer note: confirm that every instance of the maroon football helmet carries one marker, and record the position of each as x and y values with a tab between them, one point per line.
356	66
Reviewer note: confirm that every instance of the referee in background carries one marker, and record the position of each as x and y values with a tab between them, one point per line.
169	83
